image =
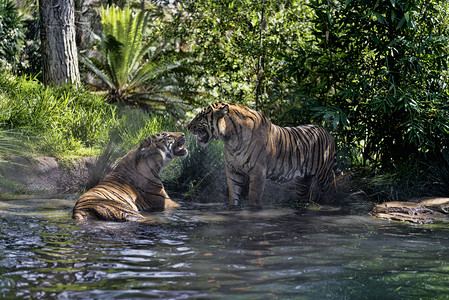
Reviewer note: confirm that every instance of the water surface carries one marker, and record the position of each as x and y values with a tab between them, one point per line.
208	252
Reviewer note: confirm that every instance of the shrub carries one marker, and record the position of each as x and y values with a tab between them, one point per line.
11	34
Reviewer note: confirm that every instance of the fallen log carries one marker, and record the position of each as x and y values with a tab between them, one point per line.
424	210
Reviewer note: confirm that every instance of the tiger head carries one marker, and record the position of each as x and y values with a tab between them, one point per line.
205	125
166	144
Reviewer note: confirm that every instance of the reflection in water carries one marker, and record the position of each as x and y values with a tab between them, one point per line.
209	252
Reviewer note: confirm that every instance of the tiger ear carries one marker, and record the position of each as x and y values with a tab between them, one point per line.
222	111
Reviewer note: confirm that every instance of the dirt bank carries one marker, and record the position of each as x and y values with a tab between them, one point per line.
43	174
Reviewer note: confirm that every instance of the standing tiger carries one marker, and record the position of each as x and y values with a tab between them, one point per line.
256	149
134	184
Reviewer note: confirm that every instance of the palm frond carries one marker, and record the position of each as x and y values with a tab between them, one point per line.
148	72
99	73
132	63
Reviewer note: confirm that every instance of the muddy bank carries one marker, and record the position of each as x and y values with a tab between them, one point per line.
44	175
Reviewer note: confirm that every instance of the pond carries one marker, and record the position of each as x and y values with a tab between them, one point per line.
208	252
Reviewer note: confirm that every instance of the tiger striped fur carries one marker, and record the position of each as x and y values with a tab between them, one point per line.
256	149
134	184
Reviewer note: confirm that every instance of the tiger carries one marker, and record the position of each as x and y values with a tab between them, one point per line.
134	185
256	149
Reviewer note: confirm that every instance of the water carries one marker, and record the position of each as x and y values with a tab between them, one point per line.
208	252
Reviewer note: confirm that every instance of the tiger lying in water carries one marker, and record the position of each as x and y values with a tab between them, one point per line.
256	149
134	184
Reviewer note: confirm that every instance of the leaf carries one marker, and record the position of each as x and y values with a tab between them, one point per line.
407	16
96	70
380	18
401	23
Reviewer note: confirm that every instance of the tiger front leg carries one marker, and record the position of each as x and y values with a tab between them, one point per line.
168	203
236	182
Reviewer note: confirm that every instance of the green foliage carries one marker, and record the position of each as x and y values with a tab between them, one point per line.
377	77
374	72
130	63
11	34
237	43
30	60
62	119
67	120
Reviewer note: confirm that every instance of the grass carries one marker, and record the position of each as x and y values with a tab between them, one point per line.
57	121
9	143
67	121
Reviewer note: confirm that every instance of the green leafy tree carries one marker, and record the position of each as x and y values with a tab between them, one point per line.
131	64
378	72
237	43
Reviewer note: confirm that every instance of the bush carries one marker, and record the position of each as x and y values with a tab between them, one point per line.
380	82
11	34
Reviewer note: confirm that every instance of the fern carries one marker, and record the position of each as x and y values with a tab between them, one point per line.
128	64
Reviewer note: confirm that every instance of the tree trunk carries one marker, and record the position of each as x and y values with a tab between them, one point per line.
59	52
427	210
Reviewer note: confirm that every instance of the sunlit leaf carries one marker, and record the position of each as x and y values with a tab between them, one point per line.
380	18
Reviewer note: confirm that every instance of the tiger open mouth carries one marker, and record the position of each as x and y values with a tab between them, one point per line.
179	149
202	136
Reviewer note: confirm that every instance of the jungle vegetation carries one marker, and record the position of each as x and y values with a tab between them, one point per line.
375	73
